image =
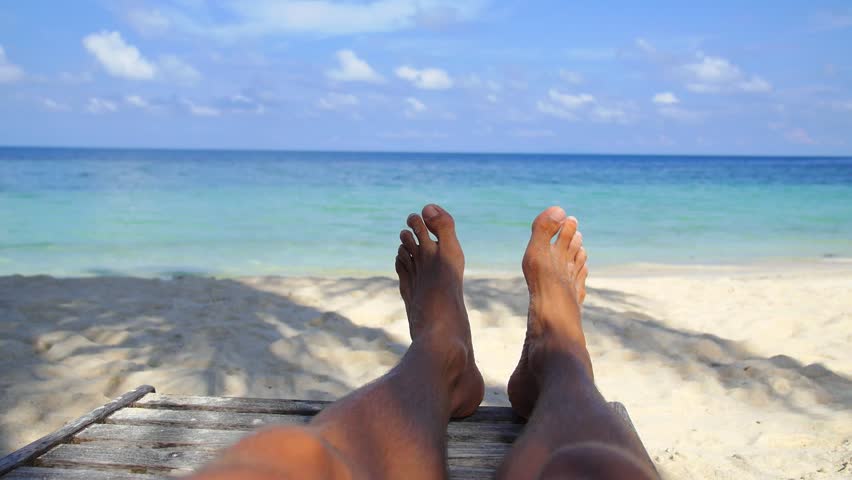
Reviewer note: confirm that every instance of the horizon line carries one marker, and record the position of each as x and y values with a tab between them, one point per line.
421	152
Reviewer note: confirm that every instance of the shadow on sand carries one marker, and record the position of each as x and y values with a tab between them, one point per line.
206	336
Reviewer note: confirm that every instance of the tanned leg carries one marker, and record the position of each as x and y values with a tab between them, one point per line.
394	427
571	433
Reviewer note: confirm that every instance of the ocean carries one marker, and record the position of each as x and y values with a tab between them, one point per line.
71	212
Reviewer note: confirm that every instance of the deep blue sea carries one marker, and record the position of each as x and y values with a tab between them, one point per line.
164	212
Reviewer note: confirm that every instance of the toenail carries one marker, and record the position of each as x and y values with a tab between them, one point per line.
430	212
557	215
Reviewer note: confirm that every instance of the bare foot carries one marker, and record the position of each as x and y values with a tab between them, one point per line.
430	282
556	278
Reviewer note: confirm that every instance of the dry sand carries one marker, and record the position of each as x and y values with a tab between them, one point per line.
728	372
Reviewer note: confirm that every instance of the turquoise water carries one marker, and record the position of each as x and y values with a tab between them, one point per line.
160	212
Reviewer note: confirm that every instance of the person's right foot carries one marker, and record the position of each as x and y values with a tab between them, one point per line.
556	278
430	283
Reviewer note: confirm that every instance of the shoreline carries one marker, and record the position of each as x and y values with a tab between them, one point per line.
757	265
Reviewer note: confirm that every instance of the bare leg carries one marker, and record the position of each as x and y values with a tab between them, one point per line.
394	427
571	432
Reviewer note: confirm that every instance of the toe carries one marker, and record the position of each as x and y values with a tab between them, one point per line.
442	224
546	224
439	221
569	228
581	283
408	242
420	231
580	259
405	259
575	245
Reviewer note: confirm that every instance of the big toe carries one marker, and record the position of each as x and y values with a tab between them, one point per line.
546	224
441	223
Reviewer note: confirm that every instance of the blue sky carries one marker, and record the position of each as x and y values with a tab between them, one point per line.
761	77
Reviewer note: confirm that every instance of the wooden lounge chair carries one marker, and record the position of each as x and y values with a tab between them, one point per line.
143	435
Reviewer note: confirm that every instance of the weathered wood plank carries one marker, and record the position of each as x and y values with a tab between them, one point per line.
39	473
213	420
218	420
279	406
139	436
469	473
159	436
96	455
114	455
45	443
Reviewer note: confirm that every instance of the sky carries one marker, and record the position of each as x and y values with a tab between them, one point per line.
656	77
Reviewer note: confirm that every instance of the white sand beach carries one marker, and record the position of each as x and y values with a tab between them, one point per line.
728	372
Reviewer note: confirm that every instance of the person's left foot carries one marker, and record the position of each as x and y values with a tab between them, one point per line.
430	282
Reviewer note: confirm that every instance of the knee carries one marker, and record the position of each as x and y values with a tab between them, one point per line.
281	452
594	461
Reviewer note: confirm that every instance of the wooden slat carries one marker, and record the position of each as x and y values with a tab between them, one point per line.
279	406
203	419
470	473
159	437
123	457
45	443
218	420
141	436
166	434
97	455
40	473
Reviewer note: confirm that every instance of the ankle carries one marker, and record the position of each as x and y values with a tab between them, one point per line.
448	357
558	364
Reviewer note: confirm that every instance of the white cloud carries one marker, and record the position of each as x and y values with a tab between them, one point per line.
585	106
843	105
551	109
800	136
592	54
533	133
75	78
665	98
413	135
171	67
100	105
569	101
755	84
475	82
681	114
148	22
427	78
414	107
240	103
53	105
836	20
9	72
336	101
564	105
645	46
713	70
353	69
324	17
611	114
573	78
201	110
716	74
137	101
492	98
119	58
